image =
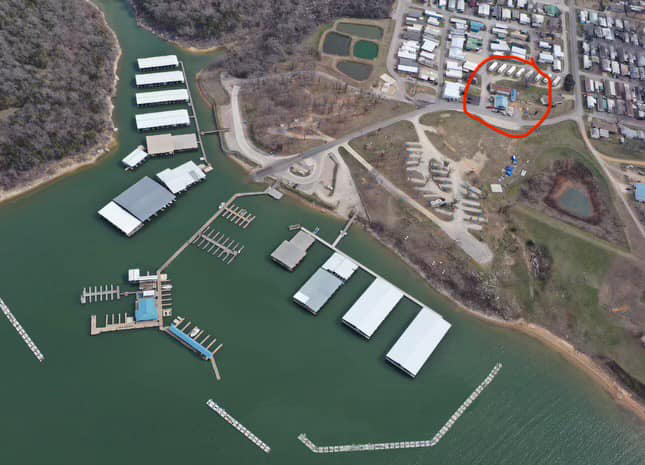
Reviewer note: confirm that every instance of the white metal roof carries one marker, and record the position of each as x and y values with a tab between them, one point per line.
158	62
341	266
418	341
162	96
159	78
372	307
135	157
120	218
180	178
162	119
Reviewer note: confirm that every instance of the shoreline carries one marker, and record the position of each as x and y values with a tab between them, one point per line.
608	382
109	140
197	50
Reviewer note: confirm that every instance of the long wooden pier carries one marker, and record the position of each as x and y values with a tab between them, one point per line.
194	115
23	334
100	293
406	444
270	191
238	426
344	231
216	243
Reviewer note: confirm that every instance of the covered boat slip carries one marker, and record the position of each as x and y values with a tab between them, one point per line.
341	266
182	177
317	290
162	120
120	218
372	307
144	199
162	97
168	78
418	341
158	62
167	144
135	158
290	253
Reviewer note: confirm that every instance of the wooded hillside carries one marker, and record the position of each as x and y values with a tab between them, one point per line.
57	72
263	32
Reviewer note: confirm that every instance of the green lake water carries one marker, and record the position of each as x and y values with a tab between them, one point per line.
139	397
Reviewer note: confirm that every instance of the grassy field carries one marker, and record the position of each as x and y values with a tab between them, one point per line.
630	150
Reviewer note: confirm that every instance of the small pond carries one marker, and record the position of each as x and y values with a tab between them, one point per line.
361	30
576	202
337	44
355	70
365	49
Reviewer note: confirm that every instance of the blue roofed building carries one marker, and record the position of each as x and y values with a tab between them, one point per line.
146	309
639	193
501	102
190	342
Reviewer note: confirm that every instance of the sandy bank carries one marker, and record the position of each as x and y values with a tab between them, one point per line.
107	140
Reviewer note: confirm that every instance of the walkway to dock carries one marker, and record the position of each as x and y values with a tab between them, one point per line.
406	444
23	334
343	232
99	294
194	116
238	426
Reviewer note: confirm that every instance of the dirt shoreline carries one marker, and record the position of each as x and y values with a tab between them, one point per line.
605	380
108	140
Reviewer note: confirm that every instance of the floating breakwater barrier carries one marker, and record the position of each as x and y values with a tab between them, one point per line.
407	444
238	426
23	334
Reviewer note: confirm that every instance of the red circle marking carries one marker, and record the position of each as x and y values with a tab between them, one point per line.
488	125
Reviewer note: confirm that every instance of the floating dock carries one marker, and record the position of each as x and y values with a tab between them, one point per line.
192	342
116	324
238	426
23	334
290	253
217	244
406	444
100	294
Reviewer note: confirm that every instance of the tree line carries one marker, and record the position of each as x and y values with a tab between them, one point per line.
57	73
259	33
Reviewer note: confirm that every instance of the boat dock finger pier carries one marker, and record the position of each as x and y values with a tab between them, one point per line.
215	243
238	216
238	426
100	294
406	444
23	334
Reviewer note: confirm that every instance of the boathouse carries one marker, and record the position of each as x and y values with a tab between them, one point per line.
159	62
169	78
372	307
162	120
128	224
317	290
162	97
290	253
179	179
135	158
168	144
413	348
341	266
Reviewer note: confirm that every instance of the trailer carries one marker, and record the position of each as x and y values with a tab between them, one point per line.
493	66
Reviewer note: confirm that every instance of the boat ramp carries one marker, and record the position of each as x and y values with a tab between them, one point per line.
23	334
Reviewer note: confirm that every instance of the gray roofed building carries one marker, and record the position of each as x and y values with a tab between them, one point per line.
144	199
290	253
317	290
